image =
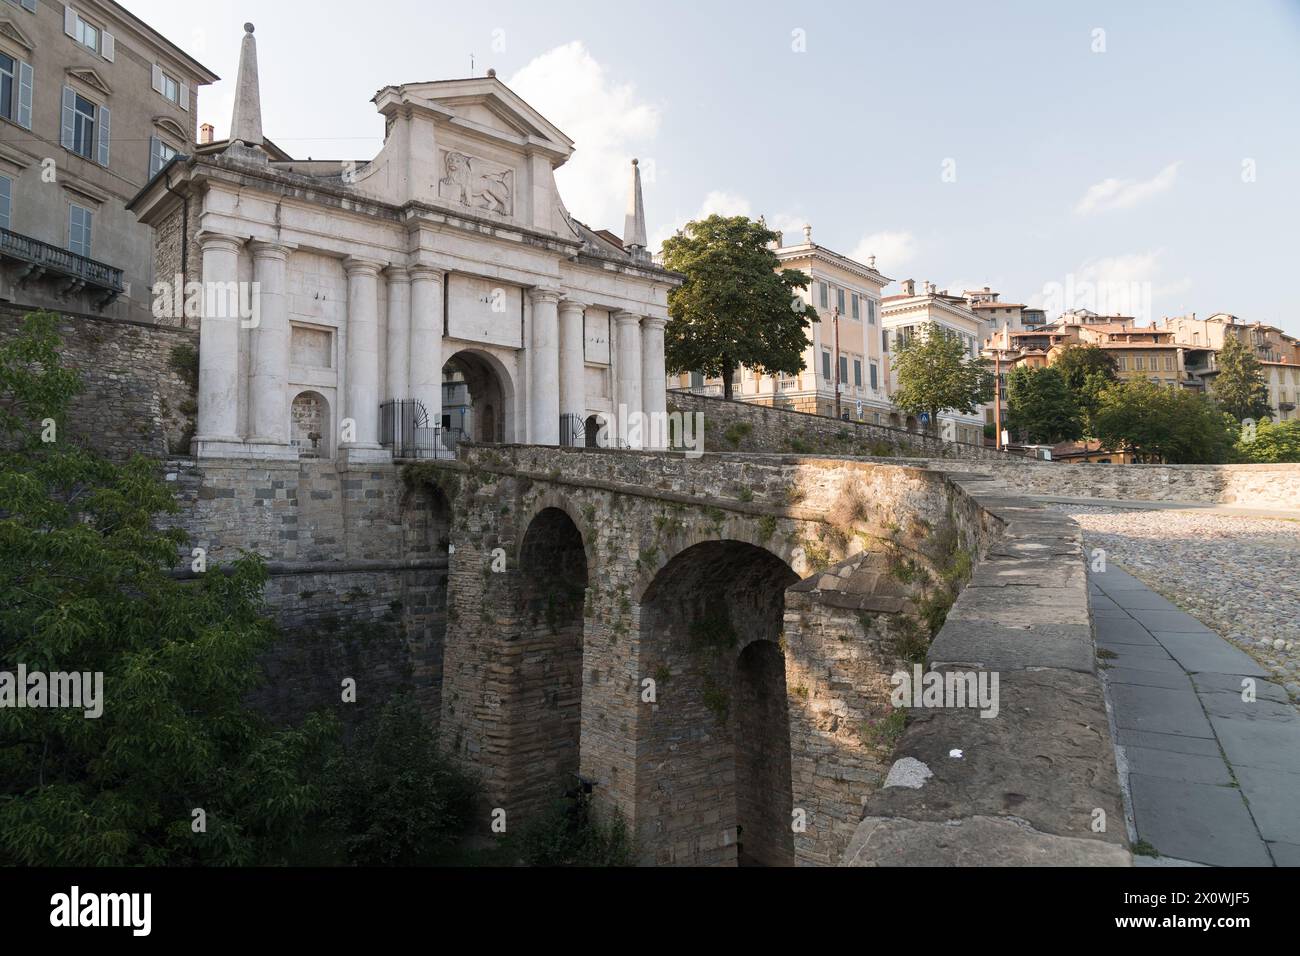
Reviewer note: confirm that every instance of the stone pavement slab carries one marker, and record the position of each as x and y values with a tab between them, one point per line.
1212	778
1196	821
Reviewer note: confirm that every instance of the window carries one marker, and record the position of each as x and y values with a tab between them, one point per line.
85	127
871	311
844	369
697	379
875	378
857	372
79	220
83	32
839	300
1122	361
171	88
1139	363
1169	363
884	340
826	364
6	193
857	313
824	293
160	155
16	90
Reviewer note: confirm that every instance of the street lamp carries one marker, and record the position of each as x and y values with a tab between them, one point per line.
835	323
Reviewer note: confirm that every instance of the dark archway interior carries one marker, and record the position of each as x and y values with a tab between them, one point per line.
547	681
487	397
721	721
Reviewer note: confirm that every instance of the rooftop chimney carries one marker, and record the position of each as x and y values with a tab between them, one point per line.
909	287
205	134
807	234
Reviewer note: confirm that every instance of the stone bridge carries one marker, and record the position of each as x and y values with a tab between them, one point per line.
707	644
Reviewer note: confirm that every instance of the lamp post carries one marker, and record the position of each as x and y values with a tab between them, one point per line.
835	322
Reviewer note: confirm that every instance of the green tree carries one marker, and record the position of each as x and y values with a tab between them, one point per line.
1040	406
1272	442
1239	387
935	373
85	587
1160	423
1088	370
737	306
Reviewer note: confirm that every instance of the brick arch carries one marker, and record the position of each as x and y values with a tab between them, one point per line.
739	528
552	498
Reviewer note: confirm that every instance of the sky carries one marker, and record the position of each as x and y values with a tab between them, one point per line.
1137	157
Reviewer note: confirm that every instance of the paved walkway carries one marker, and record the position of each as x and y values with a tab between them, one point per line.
1211	778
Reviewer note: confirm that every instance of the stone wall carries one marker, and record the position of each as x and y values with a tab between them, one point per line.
358	573
1251	486
711	584
744	426
138	396
1034	783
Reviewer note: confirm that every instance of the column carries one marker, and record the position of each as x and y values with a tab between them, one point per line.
573	376
399	332
654	380
544	378
628	405
218	416
268	419
426	341
362	405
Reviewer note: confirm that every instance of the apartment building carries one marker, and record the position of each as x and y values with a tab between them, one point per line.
845	343
1277	352
93	103
906	313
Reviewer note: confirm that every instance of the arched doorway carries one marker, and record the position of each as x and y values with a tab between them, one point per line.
546	688
309	423
476	396
721	704
591	431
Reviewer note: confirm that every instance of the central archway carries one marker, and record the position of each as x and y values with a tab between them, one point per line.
477	397
711	623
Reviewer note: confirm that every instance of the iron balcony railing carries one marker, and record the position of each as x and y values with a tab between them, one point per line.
45	258
404	429
573	430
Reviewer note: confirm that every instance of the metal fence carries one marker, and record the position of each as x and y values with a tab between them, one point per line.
404	428
573	430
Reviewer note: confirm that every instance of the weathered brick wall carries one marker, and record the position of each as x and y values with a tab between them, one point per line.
137	397
358	573
743	426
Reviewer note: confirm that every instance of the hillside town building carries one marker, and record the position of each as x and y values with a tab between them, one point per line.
93	103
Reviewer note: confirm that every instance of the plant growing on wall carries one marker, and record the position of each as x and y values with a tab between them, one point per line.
85	587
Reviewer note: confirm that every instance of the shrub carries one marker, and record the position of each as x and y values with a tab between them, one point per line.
568	834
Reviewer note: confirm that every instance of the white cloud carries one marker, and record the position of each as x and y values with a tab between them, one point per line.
1130	284
723	204
893	250
1123	193
608	123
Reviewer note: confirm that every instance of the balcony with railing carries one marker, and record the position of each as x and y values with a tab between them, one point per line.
404	429
74	273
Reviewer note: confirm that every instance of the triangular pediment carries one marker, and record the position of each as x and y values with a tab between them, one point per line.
488	104
10	30
91	79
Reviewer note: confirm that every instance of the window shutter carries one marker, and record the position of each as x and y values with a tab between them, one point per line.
155	156
70	22
24	95
107	46
66	134
103	119
185	96
157	78
29	5
4	202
